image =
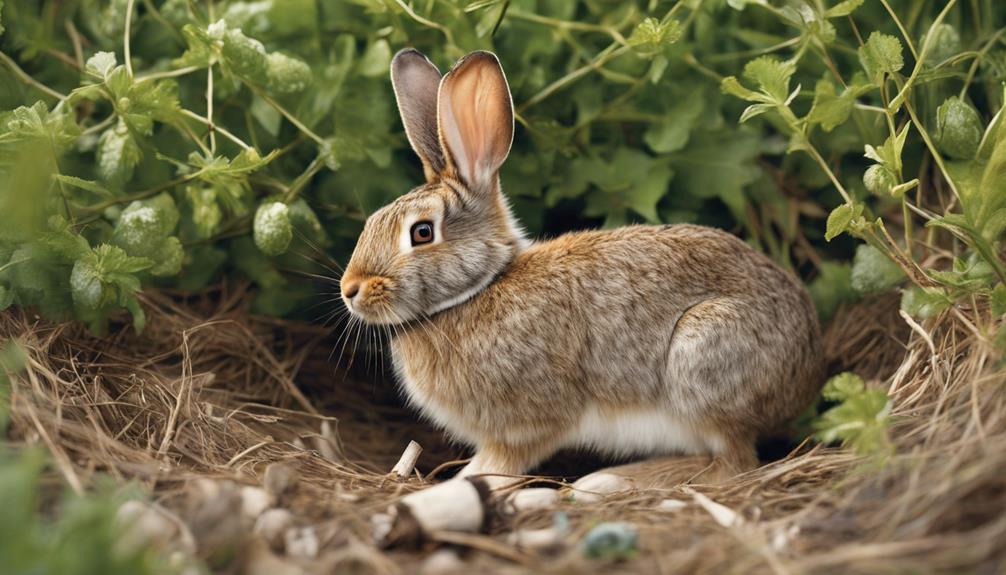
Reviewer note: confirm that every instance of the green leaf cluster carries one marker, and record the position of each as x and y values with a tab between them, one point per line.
861	418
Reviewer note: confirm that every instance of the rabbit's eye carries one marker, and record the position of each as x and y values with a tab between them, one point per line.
422	233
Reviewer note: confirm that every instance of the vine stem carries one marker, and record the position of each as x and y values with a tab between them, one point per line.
920	59
24	77
125	38
426	22
978	59
214	128
901	27
168	74
286	114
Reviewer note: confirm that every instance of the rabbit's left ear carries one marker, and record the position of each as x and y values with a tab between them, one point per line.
416	82
476	119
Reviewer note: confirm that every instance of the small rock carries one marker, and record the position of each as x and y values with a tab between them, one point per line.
532	499
254	501
145	524
671	505
442	562
301	542
279	478
611	541
547	539
596	486
272	526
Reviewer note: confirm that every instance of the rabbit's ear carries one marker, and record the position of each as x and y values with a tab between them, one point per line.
416	81
476	119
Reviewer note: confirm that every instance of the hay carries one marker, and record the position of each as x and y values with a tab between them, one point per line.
209	391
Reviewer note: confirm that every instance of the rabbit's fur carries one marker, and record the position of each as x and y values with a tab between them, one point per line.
641	339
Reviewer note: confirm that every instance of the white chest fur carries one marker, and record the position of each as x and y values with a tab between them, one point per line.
639	432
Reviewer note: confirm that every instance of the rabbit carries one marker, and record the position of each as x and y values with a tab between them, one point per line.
635	341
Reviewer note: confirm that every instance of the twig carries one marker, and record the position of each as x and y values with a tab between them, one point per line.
407	462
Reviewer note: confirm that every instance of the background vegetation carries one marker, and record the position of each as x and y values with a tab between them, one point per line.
176	142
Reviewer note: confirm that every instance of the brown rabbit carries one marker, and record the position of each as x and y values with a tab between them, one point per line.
637	340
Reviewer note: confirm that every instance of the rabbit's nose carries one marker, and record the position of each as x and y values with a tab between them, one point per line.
350	288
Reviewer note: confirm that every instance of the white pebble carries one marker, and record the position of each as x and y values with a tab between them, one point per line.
272	525
532	499
301	542
594	487
254	501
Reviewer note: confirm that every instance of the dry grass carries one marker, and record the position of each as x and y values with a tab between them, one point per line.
210	391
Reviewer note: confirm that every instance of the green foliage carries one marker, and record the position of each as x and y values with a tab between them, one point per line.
873	272
83	537
244	137
861	418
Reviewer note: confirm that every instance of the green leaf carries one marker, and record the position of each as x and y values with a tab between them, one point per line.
100	65
730	85
829	109
167	258
245	56
882	54
873	272
843	386
879	180
90	186
118	154
946	44
843	8
651	36
924	302
376	59
998	300
889	154
861	418
840	218
287	75
206	212
145	224
37	123
272	228
959	129
772	76
672	134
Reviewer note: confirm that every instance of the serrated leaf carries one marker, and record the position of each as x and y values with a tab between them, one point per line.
772	76
651	36
118	154
882	54
100	65
843	386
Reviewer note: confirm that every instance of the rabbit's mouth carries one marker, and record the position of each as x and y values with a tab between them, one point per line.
371	299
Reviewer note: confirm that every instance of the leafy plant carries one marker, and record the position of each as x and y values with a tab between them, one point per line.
861	418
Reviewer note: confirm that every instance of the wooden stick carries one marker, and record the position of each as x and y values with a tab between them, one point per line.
403	469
